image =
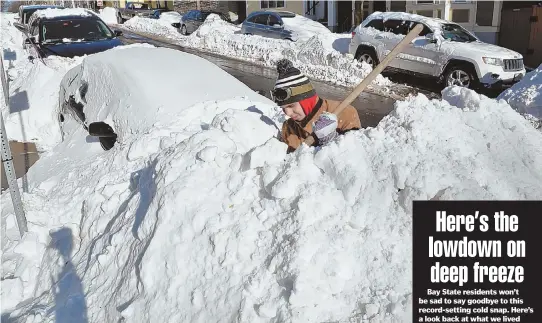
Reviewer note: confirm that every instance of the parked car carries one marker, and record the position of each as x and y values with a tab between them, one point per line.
25	12
443	50
132	9
193	19
282	25
173	17
68	33
126	102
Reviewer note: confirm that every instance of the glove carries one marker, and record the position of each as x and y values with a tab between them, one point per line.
325	128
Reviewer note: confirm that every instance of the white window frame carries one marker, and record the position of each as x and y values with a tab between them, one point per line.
260	4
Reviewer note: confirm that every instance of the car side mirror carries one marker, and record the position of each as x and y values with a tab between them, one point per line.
431	38
101	129
118	33
19	26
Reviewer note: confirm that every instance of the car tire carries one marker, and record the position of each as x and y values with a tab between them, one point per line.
462	75
368	56
183	30
119	19
107	143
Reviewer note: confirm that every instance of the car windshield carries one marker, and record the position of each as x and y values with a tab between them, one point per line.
77	29
456	33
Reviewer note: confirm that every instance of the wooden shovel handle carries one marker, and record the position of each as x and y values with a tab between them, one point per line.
374	73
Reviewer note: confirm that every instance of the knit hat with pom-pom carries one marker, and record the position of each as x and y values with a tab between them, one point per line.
293	82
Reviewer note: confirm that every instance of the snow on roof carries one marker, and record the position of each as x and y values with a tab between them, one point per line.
303	28
431	22
54	13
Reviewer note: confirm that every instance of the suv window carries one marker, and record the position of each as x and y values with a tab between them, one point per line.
261	19
398	27
377	24
426	30
273	20
190	14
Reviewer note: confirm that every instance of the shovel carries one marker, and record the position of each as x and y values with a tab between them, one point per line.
375	72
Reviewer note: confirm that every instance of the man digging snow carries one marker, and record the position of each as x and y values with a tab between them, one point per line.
308	113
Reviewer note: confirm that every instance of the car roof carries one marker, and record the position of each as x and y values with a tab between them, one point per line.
39	6
63	14
282	13
391	15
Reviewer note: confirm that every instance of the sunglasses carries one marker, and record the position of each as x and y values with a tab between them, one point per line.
283	94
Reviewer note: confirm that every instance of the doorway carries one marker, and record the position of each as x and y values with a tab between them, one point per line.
241	11
344	16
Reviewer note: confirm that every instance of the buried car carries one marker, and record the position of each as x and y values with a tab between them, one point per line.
110	99
282	25
68	33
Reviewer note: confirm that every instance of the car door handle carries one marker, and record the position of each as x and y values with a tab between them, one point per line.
379	37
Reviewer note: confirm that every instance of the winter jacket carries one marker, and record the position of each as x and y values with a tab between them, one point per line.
294	132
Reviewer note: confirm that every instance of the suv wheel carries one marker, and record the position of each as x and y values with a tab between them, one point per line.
460	75
367	56
183	30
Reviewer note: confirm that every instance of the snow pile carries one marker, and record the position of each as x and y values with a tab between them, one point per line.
33	91
203	216
109	15
154	26
54	12
317	57
303	28
170	17
526	95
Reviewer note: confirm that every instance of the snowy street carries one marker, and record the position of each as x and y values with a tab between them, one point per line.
371	107
165	191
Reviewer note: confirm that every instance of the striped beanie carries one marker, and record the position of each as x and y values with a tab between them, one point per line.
291	81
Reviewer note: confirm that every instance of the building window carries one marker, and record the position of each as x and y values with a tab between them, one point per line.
460	15
439	14
484	13
271	4
425	2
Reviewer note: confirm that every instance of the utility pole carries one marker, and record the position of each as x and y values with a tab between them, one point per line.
7	160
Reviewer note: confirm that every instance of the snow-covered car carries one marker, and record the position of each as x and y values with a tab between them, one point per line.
282	25
444	50
193	19
114	93
68	33
168	16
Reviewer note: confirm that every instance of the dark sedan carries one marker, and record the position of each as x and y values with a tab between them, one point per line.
193	19
69	36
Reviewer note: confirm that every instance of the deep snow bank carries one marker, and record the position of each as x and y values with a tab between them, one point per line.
200	219
526	95
317	56
154	26
33	90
